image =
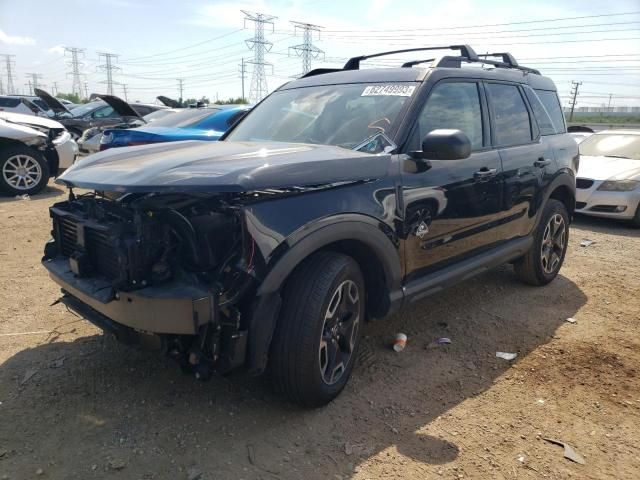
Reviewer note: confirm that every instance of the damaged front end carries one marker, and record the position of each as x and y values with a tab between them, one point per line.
162	269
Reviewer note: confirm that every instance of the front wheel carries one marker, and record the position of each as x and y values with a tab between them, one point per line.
22	171
318	333
541	264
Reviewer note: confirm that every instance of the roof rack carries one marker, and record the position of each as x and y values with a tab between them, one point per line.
467	55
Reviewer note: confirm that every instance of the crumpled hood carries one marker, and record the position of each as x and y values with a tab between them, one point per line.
222	167
609	168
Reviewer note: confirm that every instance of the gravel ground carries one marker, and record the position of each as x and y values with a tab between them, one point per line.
75	404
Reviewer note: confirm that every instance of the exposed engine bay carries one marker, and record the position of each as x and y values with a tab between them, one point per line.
175	263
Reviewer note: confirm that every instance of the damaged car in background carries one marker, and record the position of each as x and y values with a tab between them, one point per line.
340	197
32	149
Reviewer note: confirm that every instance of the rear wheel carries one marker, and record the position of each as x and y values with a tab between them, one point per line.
542	262
318	332
23	171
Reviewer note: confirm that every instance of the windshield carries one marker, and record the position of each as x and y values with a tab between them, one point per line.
82	110
186	118
612	145
343	115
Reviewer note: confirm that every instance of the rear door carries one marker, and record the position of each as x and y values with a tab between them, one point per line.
450	206
526	158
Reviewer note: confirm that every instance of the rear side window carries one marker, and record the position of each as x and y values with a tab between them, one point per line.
547	127
9	102
510	115
454	105
552	105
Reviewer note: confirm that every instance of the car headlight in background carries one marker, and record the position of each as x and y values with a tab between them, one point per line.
619	185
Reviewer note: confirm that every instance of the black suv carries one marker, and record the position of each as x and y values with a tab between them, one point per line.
342	196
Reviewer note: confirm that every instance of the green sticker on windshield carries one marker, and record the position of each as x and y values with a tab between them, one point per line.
388	91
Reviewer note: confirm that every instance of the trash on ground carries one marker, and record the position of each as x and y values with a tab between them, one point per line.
521	458
443	341
586	242
572	320
23	197
506	355
400	342
114	464
57	363
251	454
28	374
569	452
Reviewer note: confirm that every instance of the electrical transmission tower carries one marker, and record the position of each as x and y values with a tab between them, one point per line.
307	50
260	46
75	64
34	82
9	63
109	67
574	95
180	88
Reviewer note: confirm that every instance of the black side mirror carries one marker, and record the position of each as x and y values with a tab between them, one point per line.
444	144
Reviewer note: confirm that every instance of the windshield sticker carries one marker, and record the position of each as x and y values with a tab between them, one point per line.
388	91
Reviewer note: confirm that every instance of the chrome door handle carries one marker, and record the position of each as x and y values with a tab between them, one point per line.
485	173
542	162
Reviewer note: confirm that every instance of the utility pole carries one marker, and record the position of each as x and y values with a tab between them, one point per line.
54	88
33	84
75	64
124	87
260	46
1	87
180	88
9	63
243	72
609	106
109	67
307	50
574	95
86	90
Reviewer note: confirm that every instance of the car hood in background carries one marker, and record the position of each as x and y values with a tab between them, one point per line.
53	103
608	168
222	167
121	107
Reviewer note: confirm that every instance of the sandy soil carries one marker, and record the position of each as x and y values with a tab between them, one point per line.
77	405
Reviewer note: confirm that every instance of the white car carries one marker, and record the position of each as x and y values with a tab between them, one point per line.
32	149
608	182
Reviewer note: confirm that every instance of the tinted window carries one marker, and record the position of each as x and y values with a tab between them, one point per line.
235	117
511	118
82	110
552	105
9	102
453	105
106	112
42	104
547	127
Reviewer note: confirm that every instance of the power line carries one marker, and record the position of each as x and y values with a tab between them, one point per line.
260	46
75	65
109	67
307	50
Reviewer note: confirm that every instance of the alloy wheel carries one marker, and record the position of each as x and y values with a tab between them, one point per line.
553	243
22	172
339	332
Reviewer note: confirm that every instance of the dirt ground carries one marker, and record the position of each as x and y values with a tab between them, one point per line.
75	404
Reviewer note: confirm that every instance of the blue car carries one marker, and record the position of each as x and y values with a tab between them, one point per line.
207	123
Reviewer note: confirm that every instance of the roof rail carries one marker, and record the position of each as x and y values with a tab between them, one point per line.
508	61
465	51
413	63
505	56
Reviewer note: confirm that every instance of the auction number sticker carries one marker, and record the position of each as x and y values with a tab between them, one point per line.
388	91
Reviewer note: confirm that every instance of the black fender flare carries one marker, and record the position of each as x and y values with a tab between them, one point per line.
299	245
565	178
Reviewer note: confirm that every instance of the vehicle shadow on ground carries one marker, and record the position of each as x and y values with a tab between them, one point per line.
108	407
605	225
49	191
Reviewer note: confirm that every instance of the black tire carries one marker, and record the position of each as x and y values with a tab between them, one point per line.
536	267
635	221
300	347
37	165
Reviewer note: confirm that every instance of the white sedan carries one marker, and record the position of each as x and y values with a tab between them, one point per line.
608	182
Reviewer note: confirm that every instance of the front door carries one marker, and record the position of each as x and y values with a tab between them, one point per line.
450	206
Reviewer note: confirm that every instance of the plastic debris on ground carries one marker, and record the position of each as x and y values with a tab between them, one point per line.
400	342
506	355
23	197
572	320
569	452
443	341
586	242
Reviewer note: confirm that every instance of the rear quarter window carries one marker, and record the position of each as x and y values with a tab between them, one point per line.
551	104
9	102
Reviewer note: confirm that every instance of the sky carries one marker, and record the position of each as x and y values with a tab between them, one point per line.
204	42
